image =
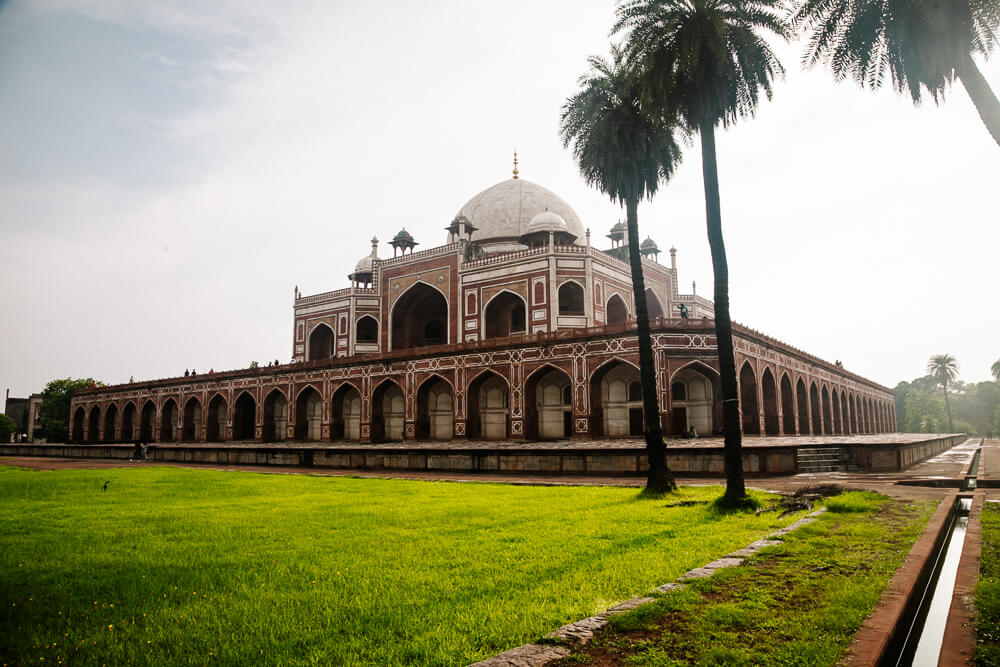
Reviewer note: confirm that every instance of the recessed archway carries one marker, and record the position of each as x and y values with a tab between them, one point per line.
419	318
654	309
435	410
616	401
769	396
827	413
748	400
616	311
693	400
345	422
504	315
816	428
147	422
802	397
128	422
388	409
191	429
367	330
787	405
215	429
548	405
168	421
110	421
94	425
275	422
488	412
309	415
79	417
571	298
320	342
835	400
854	414
244	417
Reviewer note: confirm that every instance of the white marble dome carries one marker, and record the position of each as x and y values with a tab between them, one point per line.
547	221
502	213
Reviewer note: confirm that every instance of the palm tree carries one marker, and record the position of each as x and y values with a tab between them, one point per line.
625	153
924	44
944	369
706	60
995	370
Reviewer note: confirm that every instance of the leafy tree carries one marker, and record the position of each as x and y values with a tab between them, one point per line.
53	415
995	370
923	44
625	152
7	427
944	369
924	412
707	61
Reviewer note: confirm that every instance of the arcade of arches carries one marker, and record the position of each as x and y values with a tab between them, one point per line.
547	405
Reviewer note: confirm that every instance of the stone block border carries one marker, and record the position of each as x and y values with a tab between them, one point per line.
559	644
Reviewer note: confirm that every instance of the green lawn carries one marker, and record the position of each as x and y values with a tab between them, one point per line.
196	566
799	603
988	590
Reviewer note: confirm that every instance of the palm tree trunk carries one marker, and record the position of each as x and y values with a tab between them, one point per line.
947	406
982	96
659	479
735	488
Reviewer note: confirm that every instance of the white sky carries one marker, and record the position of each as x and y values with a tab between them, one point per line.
169	173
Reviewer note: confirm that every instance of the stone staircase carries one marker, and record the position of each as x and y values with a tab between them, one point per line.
825	459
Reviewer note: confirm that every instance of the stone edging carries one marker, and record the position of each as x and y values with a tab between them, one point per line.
959	642
560	643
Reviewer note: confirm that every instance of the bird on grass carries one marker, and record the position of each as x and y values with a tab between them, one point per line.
105	487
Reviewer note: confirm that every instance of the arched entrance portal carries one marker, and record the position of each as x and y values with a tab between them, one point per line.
616	401
244	417
748	401
435	413
548	405
128	422
309	415
769	394
168	421
275	423
94	425
837	424
827	413
571	298
388	412
419	317
692	400
654	309
346	421
191	430
78	418
817	416
504	316
216	426
147	421
321	343
803	401
488	410
110	420
787	405
616	311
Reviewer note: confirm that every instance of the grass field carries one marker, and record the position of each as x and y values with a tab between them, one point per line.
988	589
197	566
799	603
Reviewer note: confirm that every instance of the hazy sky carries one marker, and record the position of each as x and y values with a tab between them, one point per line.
170	170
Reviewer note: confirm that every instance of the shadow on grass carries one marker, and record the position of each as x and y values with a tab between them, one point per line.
724	505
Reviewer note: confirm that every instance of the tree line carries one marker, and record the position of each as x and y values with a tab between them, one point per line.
940	403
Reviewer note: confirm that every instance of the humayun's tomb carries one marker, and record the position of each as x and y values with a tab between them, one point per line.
516	329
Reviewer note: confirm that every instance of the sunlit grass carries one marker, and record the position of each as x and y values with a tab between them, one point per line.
192	566
988	589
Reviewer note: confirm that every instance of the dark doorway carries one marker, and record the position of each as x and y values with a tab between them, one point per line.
504	316
419	318
321	343
244	417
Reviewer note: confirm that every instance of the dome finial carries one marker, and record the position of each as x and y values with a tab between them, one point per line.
516	172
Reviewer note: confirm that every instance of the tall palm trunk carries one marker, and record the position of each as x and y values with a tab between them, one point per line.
659	479
735	488
947	406
982	96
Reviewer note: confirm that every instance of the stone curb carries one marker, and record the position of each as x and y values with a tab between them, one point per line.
559	644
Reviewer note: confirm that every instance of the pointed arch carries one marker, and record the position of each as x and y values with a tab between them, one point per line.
548	409
79	417
787	405
110	422
129	413
748	400
852	404
168	421
616	400
844	415
245	417
388	411
94	424
419	317
802	397
319	344
309	414
827	412
654	309
275	416
835	401
505	314
769	398
191	423
366	330
488	416
345	419
215	428
435	409
147	421
695	390
816	427
571	298
615	311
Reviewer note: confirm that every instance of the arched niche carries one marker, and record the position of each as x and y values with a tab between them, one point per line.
94	424
505	315
275	423
215	428
309	415
388	409
244	417
616	401
694	400
435	410
548	405
345	422
616	312
110	421
769	398
191	429
128	422
488	415
168	421
147	422
320	342
366	331
748	400
787	405
419	318
571	298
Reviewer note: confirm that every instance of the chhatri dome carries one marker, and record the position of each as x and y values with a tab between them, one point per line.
501	213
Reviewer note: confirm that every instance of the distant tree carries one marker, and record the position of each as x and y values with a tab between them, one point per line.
53	415
924	412
709	62
7	427
625	152
924	45
944	369
995	370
